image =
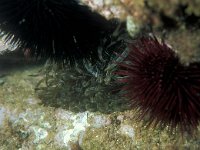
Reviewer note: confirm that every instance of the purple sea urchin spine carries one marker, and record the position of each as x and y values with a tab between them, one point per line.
160	87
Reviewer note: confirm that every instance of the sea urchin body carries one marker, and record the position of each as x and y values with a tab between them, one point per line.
160	86
57	29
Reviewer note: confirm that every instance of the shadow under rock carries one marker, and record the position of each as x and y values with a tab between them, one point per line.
15	60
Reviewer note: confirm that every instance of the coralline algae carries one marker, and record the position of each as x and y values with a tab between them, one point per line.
73	129
127	130
2	115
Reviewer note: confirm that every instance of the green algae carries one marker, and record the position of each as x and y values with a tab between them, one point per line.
59	87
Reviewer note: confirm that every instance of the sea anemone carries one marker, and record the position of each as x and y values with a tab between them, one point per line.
56	29
162	89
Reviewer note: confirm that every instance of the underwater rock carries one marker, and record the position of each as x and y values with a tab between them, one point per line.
32	101
39	133
131	26
74	128
99	121
2	115
127	130
2	82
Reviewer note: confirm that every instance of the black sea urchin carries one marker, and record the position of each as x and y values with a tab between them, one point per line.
57	29
160	86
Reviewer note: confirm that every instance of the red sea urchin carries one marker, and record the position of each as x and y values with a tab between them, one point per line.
160	86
